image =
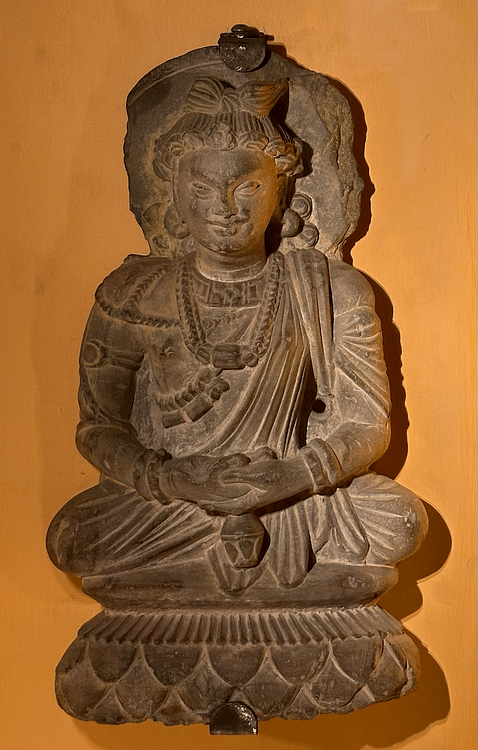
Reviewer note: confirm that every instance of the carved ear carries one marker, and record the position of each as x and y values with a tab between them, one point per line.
291	223
174	224
282	187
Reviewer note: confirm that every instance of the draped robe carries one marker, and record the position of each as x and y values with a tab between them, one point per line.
325	349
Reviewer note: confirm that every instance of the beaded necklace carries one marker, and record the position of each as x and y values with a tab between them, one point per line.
228	356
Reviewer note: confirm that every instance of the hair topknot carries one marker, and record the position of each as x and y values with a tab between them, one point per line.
221	117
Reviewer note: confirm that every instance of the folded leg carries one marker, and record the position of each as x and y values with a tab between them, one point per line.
110	528
393	517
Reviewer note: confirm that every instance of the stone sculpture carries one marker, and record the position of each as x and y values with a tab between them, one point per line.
233	396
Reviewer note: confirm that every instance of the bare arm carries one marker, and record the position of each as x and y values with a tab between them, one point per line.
110	357
361	392
111	354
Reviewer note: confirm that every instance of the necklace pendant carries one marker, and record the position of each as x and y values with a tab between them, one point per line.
227	357
203	353
249	357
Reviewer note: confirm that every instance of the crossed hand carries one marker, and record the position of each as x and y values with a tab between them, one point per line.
235	484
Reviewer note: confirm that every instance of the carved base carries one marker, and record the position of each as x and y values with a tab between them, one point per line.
178	667
169	587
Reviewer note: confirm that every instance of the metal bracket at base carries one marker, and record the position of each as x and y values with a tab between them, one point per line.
233	718
243	48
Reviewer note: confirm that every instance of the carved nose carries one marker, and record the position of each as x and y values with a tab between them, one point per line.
225	207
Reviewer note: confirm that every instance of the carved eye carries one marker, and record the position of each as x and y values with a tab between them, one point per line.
202	190
248	188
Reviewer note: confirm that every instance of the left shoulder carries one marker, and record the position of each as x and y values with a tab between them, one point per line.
350	289
121	294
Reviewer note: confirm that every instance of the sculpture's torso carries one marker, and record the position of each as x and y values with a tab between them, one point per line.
263	403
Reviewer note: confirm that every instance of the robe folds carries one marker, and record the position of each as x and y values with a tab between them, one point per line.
320	388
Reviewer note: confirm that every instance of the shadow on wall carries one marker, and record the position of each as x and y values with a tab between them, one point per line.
360	136
393	460
382	725
406	598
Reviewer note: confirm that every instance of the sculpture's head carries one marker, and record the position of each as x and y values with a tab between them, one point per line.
230	164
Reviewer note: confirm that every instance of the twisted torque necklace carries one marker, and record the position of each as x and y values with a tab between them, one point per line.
228	356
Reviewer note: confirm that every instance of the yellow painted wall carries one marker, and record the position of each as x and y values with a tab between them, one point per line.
67	67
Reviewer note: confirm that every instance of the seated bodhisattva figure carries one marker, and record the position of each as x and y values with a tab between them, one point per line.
234	398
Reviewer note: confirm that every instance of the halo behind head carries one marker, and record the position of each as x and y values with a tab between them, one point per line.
310	109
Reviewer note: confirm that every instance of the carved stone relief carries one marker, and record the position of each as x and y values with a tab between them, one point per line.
233	395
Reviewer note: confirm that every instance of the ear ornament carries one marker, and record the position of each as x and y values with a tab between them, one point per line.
291	223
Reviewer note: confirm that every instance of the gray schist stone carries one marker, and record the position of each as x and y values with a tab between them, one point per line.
233	395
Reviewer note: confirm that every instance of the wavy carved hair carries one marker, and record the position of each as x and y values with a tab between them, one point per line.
223	118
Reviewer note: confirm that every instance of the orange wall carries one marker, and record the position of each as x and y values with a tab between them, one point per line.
67	67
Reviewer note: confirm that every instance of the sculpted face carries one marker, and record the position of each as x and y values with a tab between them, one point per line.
227	198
